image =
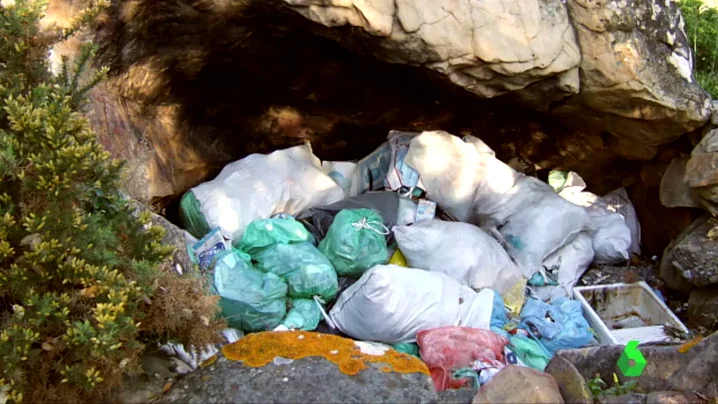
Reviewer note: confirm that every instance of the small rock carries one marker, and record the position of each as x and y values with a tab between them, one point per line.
571	384
623	399
672	397
693	257
519	384
703	307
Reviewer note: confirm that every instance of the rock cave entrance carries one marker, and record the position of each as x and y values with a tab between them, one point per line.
230	79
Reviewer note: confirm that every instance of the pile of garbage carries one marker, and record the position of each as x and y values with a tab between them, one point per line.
429	244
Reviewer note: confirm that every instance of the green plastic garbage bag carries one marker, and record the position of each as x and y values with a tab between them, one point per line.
191	216
250	299
307	272
261	234
410	348
530	352
356	242
304	314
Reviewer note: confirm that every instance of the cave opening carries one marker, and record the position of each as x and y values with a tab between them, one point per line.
244	78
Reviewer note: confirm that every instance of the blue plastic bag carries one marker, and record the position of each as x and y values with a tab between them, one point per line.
559	325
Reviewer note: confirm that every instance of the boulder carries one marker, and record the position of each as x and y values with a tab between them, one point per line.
703	307
672	397
161	160
303	367
701	172
687	369
488	48
174	236
636	74
674	191
693	257
571	384
623	399
519	384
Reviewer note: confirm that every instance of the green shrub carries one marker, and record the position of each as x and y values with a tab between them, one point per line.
84	283
701	26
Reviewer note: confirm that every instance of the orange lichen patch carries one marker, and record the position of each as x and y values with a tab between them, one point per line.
690	344
209	361
260	349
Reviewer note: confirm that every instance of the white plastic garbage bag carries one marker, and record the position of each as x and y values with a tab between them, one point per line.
460	250
391	304
572	260
258	186
462	180
611	235
345	174
619	202
540	224
611	229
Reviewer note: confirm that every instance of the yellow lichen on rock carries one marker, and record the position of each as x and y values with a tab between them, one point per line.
260	349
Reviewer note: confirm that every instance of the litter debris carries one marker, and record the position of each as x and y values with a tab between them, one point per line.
391	304
514	299
451	348
571	261
623	312
304	314
410	348
425	211
207	249
460	250
258	187
250	299
611	219
400	176
398	259
529	352
355	242
559	325
280	246
372	169
344	173
393	209
476	187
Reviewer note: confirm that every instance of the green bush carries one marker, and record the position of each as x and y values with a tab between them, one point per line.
84	280
701	26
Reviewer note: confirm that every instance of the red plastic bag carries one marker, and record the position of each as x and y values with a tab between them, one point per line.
446	349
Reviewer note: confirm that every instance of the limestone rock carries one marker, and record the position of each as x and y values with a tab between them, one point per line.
693	256
623	399
161	161
303	379
489	47
674	191
174	236
701	171
703	307
571	383
636	73
519	384
667	368
672	397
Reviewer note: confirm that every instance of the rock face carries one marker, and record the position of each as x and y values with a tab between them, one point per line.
667	368
702	171
703	307
636	69
519	384
571	383
489	47
635	61
693	258
329	375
